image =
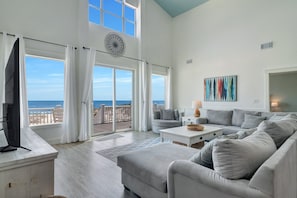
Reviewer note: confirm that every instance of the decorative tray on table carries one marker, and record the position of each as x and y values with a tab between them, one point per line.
195	127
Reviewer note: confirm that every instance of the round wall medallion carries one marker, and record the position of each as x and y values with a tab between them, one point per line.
114	44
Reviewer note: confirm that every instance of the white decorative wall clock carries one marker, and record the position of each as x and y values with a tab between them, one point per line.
114	44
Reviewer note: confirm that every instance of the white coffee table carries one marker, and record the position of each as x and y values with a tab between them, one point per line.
188	137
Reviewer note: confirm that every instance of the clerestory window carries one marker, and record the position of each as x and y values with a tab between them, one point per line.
114	14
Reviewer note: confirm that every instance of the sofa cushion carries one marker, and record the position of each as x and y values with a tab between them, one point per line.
238	116
150	165
290	116
240	158
251	121
244	133
276	117
278	130
219	117
204	156
167	114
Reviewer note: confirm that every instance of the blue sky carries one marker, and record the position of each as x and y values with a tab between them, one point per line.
45	81
110	20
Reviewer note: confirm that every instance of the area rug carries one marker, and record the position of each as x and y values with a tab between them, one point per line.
114	152
109	137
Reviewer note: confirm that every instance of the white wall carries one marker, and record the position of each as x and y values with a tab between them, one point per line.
156	34
223	38
66	22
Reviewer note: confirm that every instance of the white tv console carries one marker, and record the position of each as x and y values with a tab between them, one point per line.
25	173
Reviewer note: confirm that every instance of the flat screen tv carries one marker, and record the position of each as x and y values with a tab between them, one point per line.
11	107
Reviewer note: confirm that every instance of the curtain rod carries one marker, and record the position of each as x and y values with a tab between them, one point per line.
32	39
167	67
120	56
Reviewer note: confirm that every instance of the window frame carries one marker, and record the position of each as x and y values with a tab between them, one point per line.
48	125
123	18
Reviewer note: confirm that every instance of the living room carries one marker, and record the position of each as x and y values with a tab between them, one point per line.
216	38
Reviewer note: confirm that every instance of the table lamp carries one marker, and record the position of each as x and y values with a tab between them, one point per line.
196	104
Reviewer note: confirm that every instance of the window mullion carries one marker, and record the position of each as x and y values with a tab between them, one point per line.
123	17
101	13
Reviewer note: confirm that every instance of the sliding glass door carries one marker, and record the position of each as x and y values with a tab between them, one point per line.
112	96
124	95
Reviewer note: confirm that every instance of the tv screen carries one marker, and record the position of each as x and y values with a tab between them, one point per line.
11	107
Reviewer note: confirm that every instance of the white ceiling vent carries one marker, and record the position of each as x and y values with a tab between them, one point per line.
266	45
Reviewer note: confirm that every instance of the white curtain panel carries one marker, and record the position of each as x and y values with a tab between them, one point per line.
86	101
7	44
70	117
169	102
145	96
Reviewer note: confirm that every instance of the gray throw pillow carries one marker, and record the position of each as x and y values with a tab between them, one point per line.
157	114
276	117
240	158
244	133
168	114
251	121
176	114
278	130
219	117
290	116
238	116
204	156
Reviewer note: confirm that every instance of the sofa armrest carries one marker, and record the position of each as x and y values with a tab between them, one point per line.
202	120
188	179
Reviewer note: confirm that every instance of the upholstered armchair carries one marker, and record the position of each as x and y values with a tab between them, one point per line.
165	118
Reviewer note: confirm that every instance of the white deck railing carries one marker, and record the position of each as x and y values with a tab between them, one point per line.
40	116
102	115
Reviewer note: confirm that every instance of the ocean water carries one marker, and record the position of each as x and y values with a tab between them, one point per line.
97	103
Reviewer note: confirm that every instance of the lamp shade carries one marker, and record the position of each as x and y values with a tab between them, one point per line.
274	104
196	104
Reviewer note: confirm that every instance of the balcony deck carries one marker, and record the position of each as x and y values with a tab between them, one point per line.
102	120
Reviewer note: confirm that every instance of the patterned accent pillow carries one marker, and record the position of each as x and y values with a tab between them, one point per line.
168	114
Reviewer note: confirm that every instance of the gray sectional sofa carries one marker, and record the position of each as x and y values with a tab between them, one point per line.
261	165
238	119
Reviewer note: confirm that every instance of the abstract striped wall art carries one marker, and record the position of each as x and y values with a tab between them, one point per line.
221	89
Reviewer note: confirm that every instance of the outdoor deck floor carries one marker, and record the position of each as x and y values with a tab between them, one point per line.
102	128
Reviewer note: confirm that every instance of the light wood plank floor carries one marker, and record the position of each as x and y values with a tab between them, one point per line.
82	173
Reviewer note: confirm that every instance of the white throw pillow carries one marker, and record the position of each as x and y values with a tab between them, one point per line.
240	158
